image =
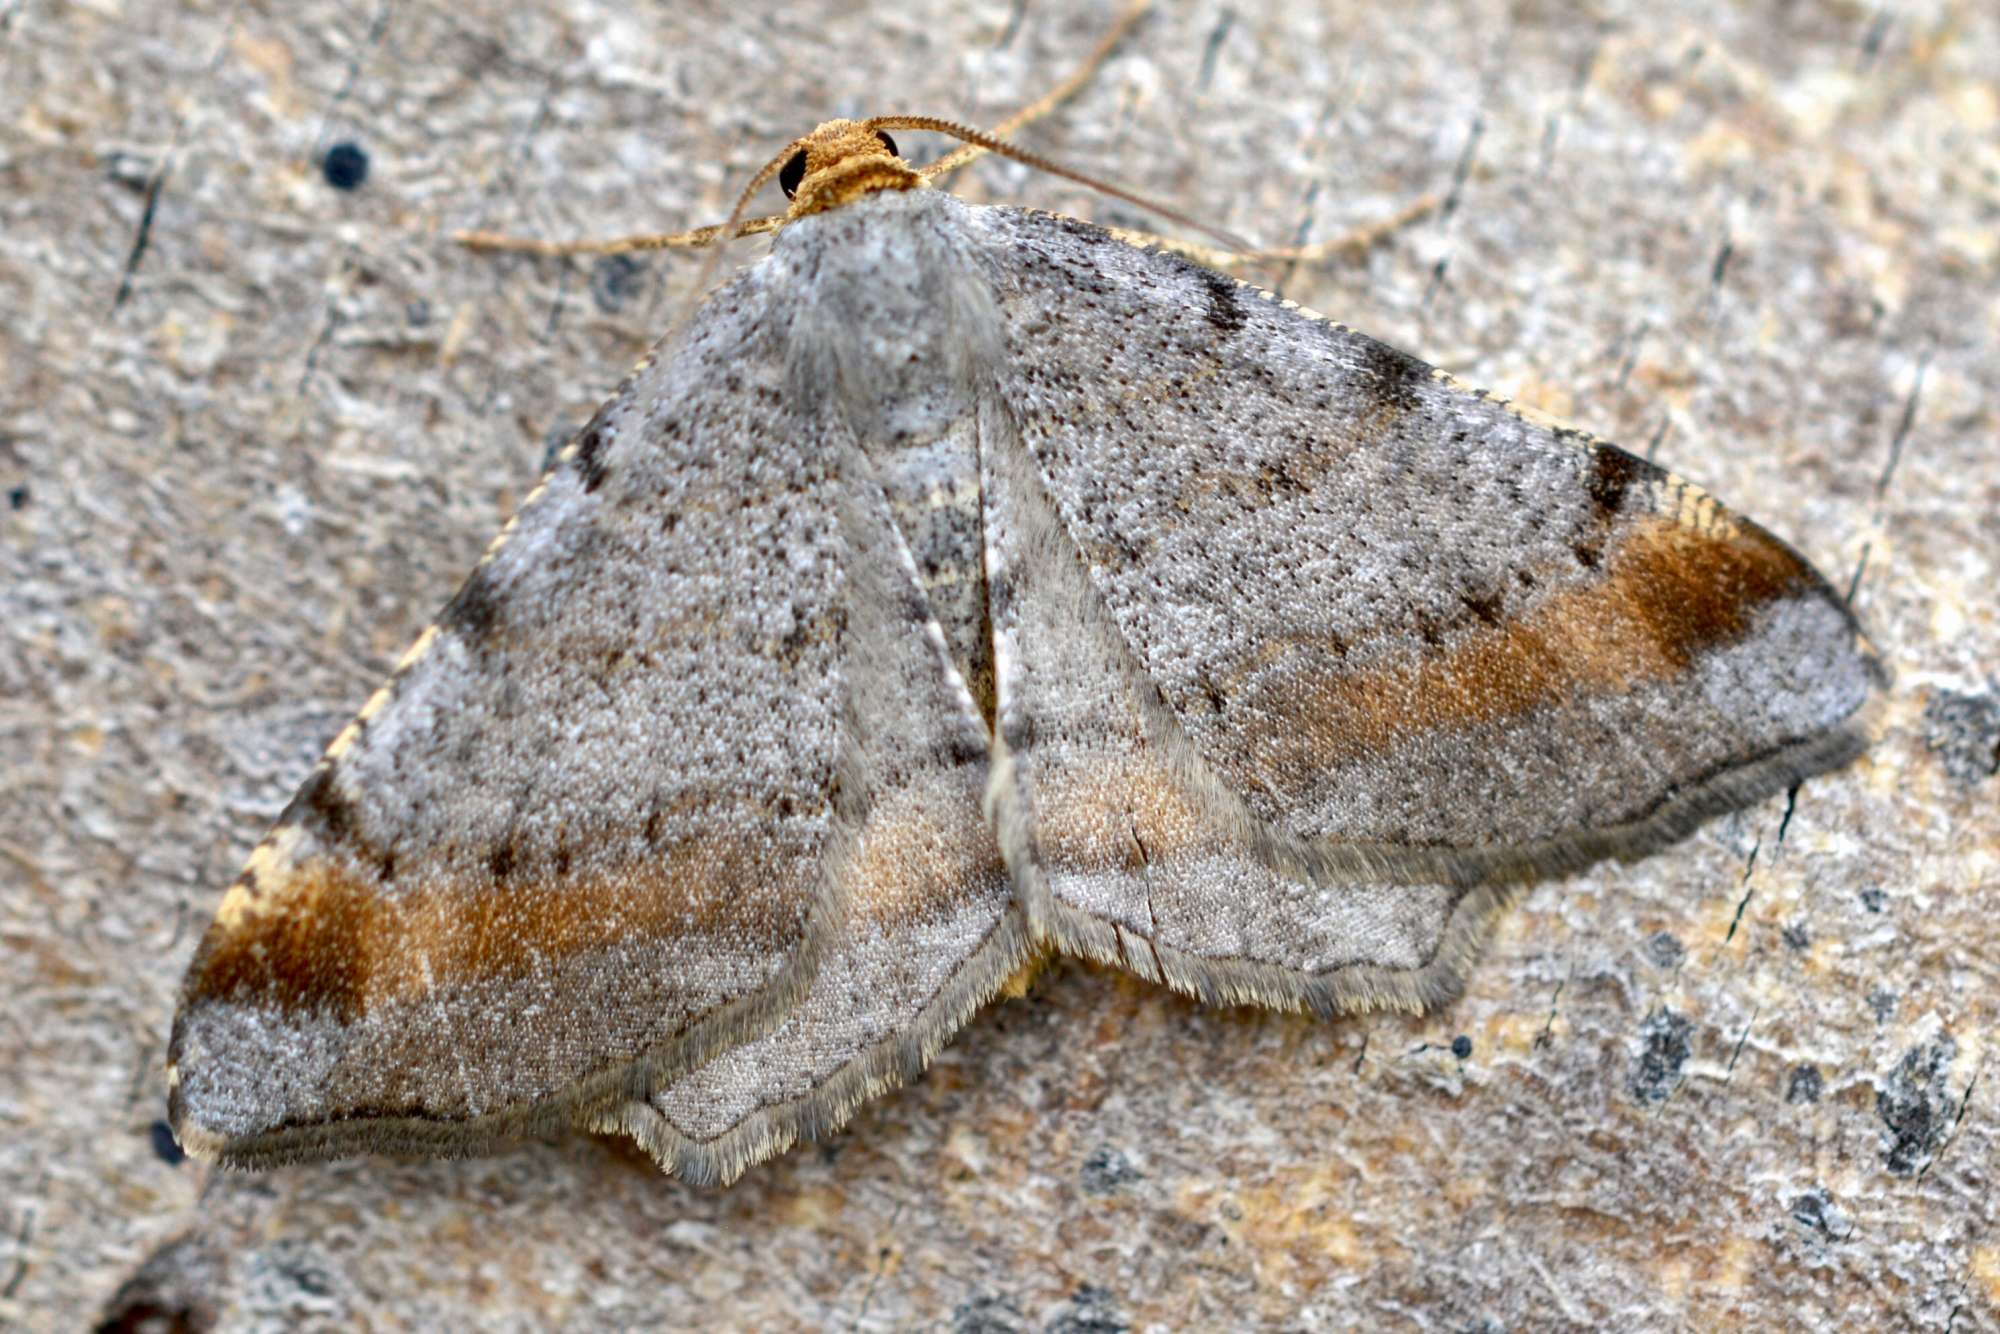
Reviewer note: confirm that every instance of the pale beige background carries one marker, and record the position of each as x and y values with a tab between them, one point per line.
1748	1080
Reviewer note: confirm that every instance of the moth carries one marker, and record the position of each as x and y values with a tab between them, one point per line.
962	584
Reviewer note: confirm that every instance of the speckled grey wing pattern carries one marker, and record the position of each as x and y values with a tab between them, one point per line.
1305	650
931	929
607	815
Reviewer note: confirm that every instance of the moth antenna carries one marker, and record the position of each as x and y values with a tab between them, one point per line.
1050	100
993	144
719	237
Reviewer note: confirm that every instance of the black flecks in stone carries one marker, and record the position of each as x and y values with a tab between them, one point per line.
1963	731
171	1291
17	497
1815	1211
320	806
1388	376
475	614
614	281
1803	1085
1461	1047
292	1272
1664	950
165	1147
345	165
1883	1002
793	172
987	1313
1107	1171
1091	1311
1874	900
1796	936
1612	472
1916	1106
590	456
1225	303
1664	1050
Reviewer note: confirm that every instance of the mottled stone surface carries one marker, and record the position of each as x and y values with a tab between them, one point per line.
1748	1080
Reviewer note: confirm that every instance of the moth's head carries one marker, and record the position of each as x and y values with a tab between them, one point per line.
838	163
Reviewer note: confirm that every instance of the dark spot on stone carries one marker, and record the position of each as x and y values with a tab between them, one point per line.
1106	1171
475	614
1461	1047
1883	1002
1091	1311
345	165
1388	378
165	1147
1664	950
1587	554
1815	1211
1874	900
17	497
1796	936
1804	1085
1225	305
386	868
320	807
614	281
590	456
563	862
1963	731
170	1293
1915	1106
987	1313
1658	1069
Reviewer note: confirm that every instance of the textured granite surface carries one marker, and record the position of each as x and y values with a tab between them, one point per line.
254	427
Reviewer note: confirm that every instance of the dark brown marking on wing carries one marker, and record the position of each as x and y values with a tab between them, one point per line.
319	807
1667	595
477	613
590	467
1225	304
327	939
1389	378
1611	475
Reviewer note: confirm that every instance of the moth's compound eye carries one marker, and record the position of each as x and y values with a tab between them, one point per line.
887	143
792	173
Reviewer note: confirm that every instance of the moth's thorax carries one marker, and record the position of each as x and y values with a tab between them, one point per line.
894	325
846	160
895	335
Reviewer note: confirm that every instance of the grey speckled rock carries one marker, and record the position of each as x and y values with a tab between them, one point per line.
1739	1082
